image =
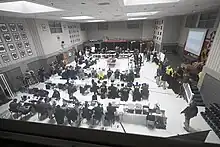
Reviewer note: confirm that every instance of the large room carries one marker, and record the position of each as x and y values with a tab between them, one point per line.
134	67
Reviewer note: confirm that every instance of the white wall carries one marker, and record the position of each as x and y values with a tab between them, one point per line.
183	33
50	42
115	30
171	29
148	29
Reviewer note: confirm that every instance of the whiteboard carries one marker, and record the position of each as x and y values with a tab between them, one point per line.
195	41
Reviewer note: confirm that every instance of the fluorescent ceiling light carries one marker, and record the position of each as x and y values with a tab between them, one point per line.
147	2
141	13
137	18
96	20
26	7
78	17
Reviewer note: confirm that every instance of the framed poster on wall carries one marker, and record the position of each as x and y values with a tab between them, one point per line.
22	53
16	36
26	44
12	27
24	36
7	37
14	55
3	27
2	48
20	27
11	46
29	52
19	45
5	58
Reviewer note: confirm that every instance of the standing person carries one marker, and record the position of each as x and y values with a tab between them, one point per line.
103	90
136	93
140	59
169	74
148	55
59	115
124	93
158	74
145	91
109	73
189	112
111	114
117	74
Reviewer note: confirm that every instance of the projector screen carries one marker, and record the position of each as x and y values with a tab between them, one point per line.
195	41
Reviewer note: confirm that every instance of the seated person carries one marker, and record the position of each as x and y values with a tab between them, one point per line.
145	91
14	106
71	115
98	112
59	115
56	94
110	115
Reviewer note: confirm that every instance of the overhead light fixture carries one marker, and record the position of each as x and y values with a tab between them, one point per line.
141	13
147	2
96	20
26	7
137	18
78	17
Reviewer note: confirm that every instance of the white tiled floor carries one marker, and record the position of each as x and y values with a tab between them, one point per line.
166	98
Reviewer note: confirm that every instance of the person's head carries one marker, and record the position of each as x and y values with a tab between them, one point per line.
93	81
58	106
136	83
109	104
122	85
112	85
15	100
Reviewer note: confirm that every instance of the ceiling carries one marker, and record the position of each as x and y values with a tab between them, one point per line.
114	10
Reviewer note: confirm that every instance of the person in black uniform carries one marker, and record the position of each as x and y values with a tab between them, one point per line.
112	92
103	90
94	87
190	112
136	93
109	73
131	77
94	97
148	56
117	74
72	115
140	59
145	91
86	112
59	115
111	113
124	93
98	113
56	94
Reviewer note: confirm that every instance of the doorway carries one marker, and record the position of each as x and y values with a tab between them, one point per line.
5	91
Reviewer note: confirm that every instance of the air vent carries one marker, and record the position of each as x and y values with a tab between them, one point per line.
104	3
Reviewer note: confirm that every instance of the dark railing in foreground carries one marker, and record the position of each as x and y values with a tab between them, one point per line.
69	136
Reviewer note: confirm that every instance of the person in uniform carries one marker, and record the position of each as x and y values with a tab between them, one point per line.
145	91
136	93
124	93
112	92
